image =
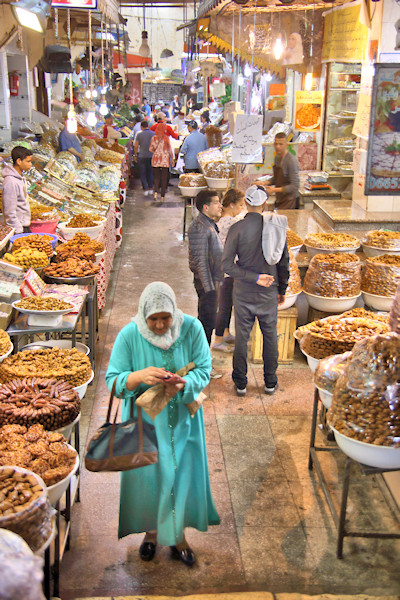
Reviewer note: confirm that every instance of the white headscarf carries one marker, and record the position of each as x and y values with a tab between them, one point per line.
158	297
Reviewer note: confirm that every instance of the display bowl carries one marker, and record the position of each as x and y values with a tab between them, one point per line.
3	356
65	344
70	280
53	236
99	256
295	249
56	491
51	537
381	457
93	232
66	430
45	318
334	305
191	192
312	362
44	226
312	251
383	303
81	389
326	397
370	251
219	184
290	299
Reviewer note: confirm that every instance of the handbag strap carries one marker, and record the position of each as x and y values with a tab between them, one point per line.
110	403
140	421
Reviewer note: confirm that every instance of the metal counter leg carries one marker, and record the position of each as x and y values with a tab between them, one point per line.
313	427
343	508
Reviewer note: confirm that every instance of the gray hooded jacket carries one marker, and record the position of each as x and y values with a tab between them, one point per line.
16	210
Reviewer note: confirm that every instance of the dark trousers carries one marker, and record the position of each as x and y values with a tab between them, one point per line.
185	170
224	306
146	173
160	179
248	306
207	308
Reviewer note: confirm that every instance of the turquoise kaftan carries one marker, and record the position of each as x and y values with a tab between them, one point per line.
174	493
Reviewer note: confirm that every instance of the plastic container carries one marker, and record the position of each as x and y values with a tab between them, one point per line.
66	430
312	362
191	192
7	353
336	305
44	226
378	302
289	301
326	397
81	389
374	251
19	235
99	256
93	232
55	491
382	457
219	184
312	251
295	249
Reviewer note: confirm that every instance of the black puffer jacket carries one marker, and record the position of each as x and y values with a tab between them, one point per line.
205	252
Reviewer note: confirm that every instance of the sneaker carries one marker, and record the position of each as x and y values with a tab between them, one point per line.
240	392
271	390
155	197
146	192
215	374
229	339
222	347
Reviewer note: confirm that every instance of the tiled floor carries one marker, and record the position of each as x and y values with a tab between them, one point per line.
276	533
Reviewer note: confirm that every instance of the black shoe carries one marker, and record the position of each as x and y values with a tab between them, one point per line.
186	555
147	551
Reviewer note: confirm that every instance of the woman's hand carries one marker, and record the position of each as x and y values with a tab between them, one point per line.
148	376
171	389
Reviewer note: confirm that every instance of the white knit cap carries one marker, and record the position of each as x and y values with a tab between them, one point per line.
256	196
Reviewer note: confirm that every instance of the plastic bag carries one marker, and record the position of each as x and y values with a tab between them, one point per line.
329	370
333	275
394	316
382	239
294	284
21	572
381	275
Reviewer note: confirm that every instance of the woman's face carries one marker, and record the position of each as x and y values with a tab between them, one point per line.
159	323
292	41
237	208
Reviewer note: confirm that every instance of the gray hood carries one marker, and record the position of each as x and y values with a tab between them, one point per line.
9	170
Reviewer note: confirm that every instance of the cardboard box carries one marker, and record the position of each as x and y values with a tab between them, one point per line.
9	310
286	326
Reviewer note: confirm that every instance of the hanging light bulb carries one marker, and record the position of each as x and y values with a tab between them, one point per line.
308	81
247	71
94	94
72	123
278	48
268	77
88	94
240	79
144	49
91	119
103	110
103	90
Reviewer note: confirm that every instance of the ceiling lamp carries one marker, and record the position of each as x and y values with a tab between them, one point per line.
278	48
31	13
166	53
144	49
72	123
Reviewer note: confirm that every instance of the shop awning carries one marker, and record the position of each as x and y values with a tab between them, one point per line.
132	60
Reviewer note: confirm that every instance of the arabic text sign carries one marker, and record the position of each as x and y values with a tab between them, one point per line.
247	139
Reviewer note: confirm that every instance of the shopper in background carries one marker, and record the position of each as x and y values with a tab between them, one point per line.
143	156
146	108
160	118
163	155
69	142
109	133
205	253
285	182
16	209
193	144
205	121
176	106
256	256
137	125
164	498
232	206
179	123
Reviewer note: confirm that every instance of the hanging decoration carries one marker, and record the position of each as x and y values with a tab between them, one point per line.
72	123
103	105
91	118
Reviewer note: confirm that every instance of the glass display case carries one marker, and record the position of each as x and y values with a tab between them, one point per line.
342	91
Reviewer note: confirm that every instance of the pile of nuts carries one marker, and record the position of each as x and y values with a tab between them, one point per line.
333	275
68	365
27	257
72	267
84	241
81	252
382	239
50	402
365	403
44	303
293	239
332	241
24	506
5	342
381	275
294	284
82	220
40	242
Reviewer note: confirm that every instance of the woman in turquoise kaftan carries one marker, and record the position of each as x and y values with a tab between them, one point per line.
174	493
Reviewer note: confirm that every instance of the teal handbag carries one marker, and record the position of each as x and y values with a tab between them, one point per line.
122	446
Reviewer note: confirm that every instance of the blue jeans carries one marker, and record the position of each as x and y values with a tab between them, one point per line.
146	173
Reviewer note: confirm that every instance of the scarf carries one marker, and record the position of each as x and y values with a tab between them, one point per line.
158	297
161	132
273	237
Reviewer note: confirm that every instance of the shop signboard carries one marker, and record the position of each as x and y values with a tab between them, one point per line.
345	37
247	139
74	3
154	92
383	162
308	111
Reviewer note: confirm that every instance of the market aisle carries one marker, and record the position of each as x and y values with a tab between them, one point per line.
275	533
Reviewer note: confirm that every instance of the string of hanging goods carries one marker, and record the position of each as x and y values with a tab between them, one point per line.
72	124
91	118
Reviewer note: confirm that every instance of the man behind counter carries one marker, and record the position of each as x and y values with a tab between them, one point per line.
69	142
285	182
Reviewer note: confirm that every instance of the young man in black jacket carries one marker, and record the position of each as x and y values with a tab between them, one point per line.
261	275
205	254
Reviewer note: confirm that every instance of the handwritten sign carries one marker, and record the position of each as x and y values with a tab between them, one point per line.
247	139
345	38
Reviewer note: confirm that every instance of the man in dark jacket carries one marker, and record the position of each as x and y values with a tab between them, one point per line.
205	253
261	275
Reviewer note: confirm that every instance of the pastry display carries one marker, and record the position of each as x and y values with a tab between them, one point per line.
43	303
68	365
365	404
74	251
214	163
25	508
331	241
50	402
82	220
192	180
294	283
293	239
381	275
333	275
321	325
5	342
26	257
40	242
72	267
382	239
82	239
109	156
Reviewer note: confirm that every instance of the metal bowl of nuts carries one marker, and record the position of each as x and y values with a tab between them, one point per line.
382	457
378	302
326	304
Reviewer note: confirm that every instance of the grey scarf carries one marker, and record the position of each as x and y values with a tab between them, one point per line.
273	237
